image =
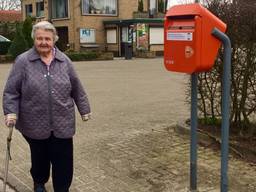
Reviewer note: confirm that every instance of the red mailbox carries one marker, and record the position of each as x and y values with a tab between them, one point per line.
188	43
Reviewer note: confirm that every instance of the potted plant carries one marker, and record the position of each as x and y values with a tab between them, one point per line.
107	10
103	10
92	9
98	11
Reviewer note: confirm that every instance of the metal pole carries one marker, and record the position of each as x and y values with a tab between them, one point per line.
193	142
193	135
193	132
225	106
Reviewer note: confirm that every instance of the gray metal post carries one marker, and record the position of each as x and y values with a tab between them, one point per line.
225	105
193	131
193	134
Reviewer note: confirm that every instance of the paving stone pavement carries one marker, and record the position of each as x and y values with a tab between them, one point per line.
8	188
130	144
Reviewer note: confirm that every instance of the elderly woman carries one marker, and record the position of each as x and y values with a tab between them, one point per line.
38	99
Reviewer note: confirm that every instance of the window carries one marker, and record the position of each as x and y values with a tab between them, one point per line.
111	36
156	36
161	6
124	34
152	7
40	8
59	9
99	7
142	36
87	35
29	10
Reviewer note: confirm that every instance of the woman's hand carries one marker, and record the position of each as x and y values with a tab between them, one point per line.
10	120
86	117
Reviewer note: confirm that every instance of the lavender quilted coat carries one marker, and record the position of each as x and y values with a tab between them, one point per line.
44	100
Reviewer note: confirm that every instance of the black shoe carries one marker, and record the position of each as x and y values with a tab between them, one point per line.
39	188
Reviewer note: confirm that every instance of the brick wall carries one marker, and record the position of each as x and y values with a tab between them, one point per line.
76	20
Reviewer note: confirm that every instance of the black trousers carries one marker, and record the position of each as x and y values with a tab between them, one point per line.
54	152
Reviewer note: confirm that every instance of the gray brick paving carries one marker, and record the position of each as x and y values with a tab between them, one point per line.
130	145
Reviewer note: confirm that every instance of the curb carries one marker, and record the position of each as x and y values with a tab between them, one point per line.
183	129
234	147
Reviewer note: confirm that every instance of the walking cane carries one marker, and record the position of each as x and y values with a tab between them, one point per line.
8	156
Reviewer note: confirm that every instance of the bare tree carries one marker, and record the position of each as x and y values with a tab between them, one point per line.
10	4
239	15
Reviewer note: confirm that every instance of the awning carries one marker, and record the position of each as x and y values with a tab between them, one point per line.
157	21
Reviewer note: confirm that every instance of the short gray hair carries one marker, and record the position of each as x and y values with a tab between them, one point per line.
45	25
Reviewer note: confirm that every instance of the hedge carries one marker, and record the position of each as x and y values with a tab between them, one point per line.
82	56
4	46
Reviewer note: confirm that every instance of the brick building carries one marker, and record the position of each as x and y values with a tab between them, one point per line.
101	24
8	20
10	16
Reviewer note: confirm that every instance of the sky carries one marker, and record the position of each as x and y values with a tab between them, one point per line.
176	2
172	2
